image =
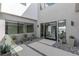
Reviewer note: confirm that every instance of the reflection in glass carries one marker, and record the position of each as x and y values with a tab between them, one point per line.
30	28
42	30
51	30
18	28
11	28
62	31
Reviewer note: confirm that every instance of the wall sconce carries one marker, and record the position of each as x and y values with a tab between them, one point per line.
72	23
37	25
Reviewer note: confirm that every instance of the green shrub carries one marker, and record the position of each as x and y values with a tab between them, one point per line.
4	49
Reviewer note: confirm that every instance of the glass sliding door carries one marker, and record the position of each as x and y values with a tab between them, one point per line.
62	31
42	30
51	31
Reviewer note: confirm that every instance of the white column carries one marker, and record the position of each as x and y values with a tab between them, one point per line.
2	29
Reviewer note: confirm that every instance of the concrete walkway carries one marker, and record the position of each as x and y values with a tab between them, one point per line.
28	51
46	41
43	48
48	50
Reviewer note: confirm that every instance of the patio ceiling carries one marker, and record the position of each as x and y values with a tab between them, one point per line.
14	8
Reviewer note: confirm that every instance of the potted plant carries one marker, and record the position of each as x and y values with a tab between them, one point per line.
14	38
5	50
62	37
71	41
72	37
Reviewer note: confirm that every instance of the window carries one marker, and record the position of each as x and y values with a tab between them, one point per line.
49	4
30	28
11	28
20	28
25	28
45	5
17	28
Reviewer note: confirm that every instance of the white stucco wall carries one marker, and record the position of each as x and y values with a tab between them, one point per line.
17	18
2	29
32	11
9	17
61	11
0	7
